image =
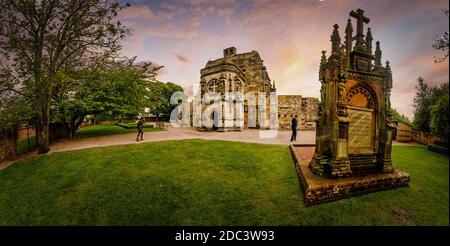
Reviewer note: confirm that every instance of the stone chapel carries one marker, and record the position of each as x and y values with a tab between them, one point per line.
246	72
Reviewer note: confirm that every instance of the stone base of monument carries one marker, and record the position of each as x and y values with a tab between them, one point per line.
320	189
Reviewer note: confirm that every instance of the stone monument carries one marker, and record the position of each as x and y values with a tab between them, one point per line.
354	127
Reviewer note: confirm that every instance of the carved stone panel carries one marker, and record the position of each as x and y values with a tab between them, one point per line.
361	131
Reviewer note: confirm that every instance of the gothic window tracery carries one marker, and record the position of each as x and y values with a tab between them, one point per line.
213	86
361	96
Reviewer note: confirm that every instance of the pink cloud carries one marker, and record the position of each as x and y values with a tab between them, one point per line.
289	36
182	58
144	13
219	2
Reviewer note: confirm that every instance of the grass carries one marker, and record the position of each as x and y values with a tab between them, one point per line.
104	130
201	182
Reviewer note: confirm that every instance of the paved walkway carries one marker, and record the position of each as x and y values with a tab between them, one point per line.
247	135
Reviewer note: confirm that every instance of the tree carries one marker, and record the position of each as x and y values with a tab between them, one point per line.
439	111
38	38
14	110
441	43
421	106
399	117
431	108
106	88
158	97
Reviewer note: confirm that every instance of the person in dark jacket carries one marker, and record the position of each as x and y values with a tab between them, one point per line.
294	129
140	127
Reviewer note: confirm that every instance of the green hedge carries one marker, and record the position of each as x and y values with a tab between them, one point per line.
134	125
438	148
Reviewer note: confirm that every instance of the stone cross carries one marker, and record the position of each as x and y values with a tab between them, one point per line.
360	20
213	87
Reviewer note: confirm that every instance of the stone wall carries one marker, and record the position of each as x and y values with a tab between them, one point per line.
306	108
424	137
8	143
310	109
288	107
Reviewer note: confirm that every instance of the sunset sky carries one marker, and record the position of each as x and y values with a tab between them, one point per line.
289	35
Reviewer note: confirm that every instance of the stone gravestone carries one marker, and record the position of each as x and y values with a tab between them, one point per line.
354	126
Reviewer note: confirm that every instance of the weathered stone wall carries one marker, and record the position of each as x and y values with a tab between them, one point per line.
288	107
310	109
8	143
424	137
306	108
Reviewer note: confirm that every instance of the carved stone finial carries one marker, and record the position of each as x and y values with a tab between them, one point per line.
349	29
369	41
335	40
323	59
348	40
388	75
377	55
323	62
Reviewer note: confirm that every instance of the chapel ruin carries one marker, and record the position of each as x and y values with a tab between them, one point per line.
246	73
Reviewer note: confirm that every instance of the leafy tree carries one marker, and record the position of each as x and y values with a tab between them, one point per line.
431	108
14	110
421	106
399	117
441	43
39	38
158	97
106	89
439	111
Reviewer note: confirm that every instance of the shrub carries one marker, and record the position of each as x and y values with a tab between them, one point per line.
438	148
134	125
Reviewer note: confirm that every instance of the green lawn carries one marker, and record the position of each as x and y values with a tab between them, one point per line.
103	130
201	182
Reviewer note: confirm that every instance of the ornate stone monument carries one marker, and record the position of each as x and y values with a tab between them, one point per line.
354	126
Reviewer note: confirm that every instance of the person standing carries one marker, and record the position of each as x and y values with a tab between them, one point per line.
140	127
294	129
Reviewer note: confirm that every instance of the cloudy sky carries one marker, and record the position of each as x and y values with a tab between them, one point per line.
289	35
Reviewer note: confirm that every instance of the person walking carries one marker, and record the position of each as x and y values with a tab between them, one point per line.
140	127
294	129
